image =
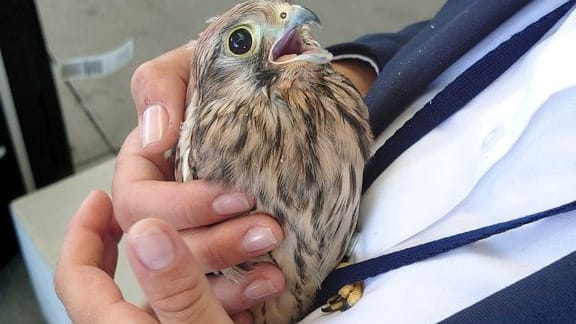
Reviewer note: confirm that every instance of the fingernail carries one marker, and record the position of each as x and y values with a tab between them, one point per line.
152	246
231	203
260	289
259	239
154	124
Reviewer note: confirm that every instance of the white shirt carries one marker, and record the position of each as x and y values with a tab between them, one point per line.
510	152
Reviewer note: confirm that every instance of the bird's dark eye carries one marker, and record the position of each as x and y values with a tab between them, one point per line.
240	41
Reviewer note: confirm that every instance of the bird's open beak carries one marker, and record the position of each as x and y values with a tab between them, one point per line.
301	16
296	44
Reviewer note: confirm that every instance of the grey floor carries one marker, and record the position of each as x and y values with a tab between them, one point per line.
80	28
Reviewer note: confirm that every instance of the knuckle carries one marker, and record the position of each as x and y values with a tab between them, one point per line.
213	254
182	300
143	72
182	217
191	213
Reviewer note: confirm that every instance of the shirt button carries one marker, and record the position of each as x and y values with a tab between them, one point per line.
493	138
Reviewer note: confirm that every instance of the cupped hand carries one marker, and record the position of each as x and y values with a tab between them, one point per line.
171	277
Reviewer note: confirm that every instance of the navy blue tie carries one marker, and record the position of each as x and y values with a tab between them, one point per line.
455	96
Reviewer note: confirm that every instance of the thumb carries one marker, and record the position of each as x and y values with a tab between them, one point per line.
159	91
170	277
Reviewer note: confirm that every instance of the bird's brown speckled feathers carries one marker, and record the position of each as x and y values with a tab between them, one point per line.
293	134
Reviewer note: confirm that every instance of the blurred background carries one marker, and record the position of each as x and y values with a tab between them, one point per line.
76	28
59	120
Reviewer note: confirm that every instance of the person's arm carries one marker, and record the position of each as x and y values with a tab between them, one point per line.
361	74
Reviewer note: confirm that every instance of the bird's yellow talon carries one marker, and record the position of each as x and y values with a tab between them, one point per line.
346	290
355	294
347	296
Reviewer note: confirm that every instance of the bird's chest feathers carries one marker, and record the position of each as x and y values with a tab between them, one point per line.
273	143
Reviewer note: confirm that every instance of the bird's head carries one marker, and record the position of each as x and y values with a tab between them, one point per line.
254	40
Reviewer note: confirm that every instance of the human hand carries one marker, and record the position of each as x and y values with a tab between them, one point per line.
360	73
171	278
202	212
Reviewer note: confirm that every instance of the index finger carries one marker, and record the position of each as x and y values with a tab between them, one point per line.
94	229
140	190
83	278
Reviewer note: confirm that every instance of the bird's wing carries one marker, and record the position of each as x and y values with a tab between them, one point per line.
184	163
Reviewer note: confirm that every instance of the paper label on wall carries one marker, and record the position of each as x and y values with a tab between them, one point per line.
95	66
